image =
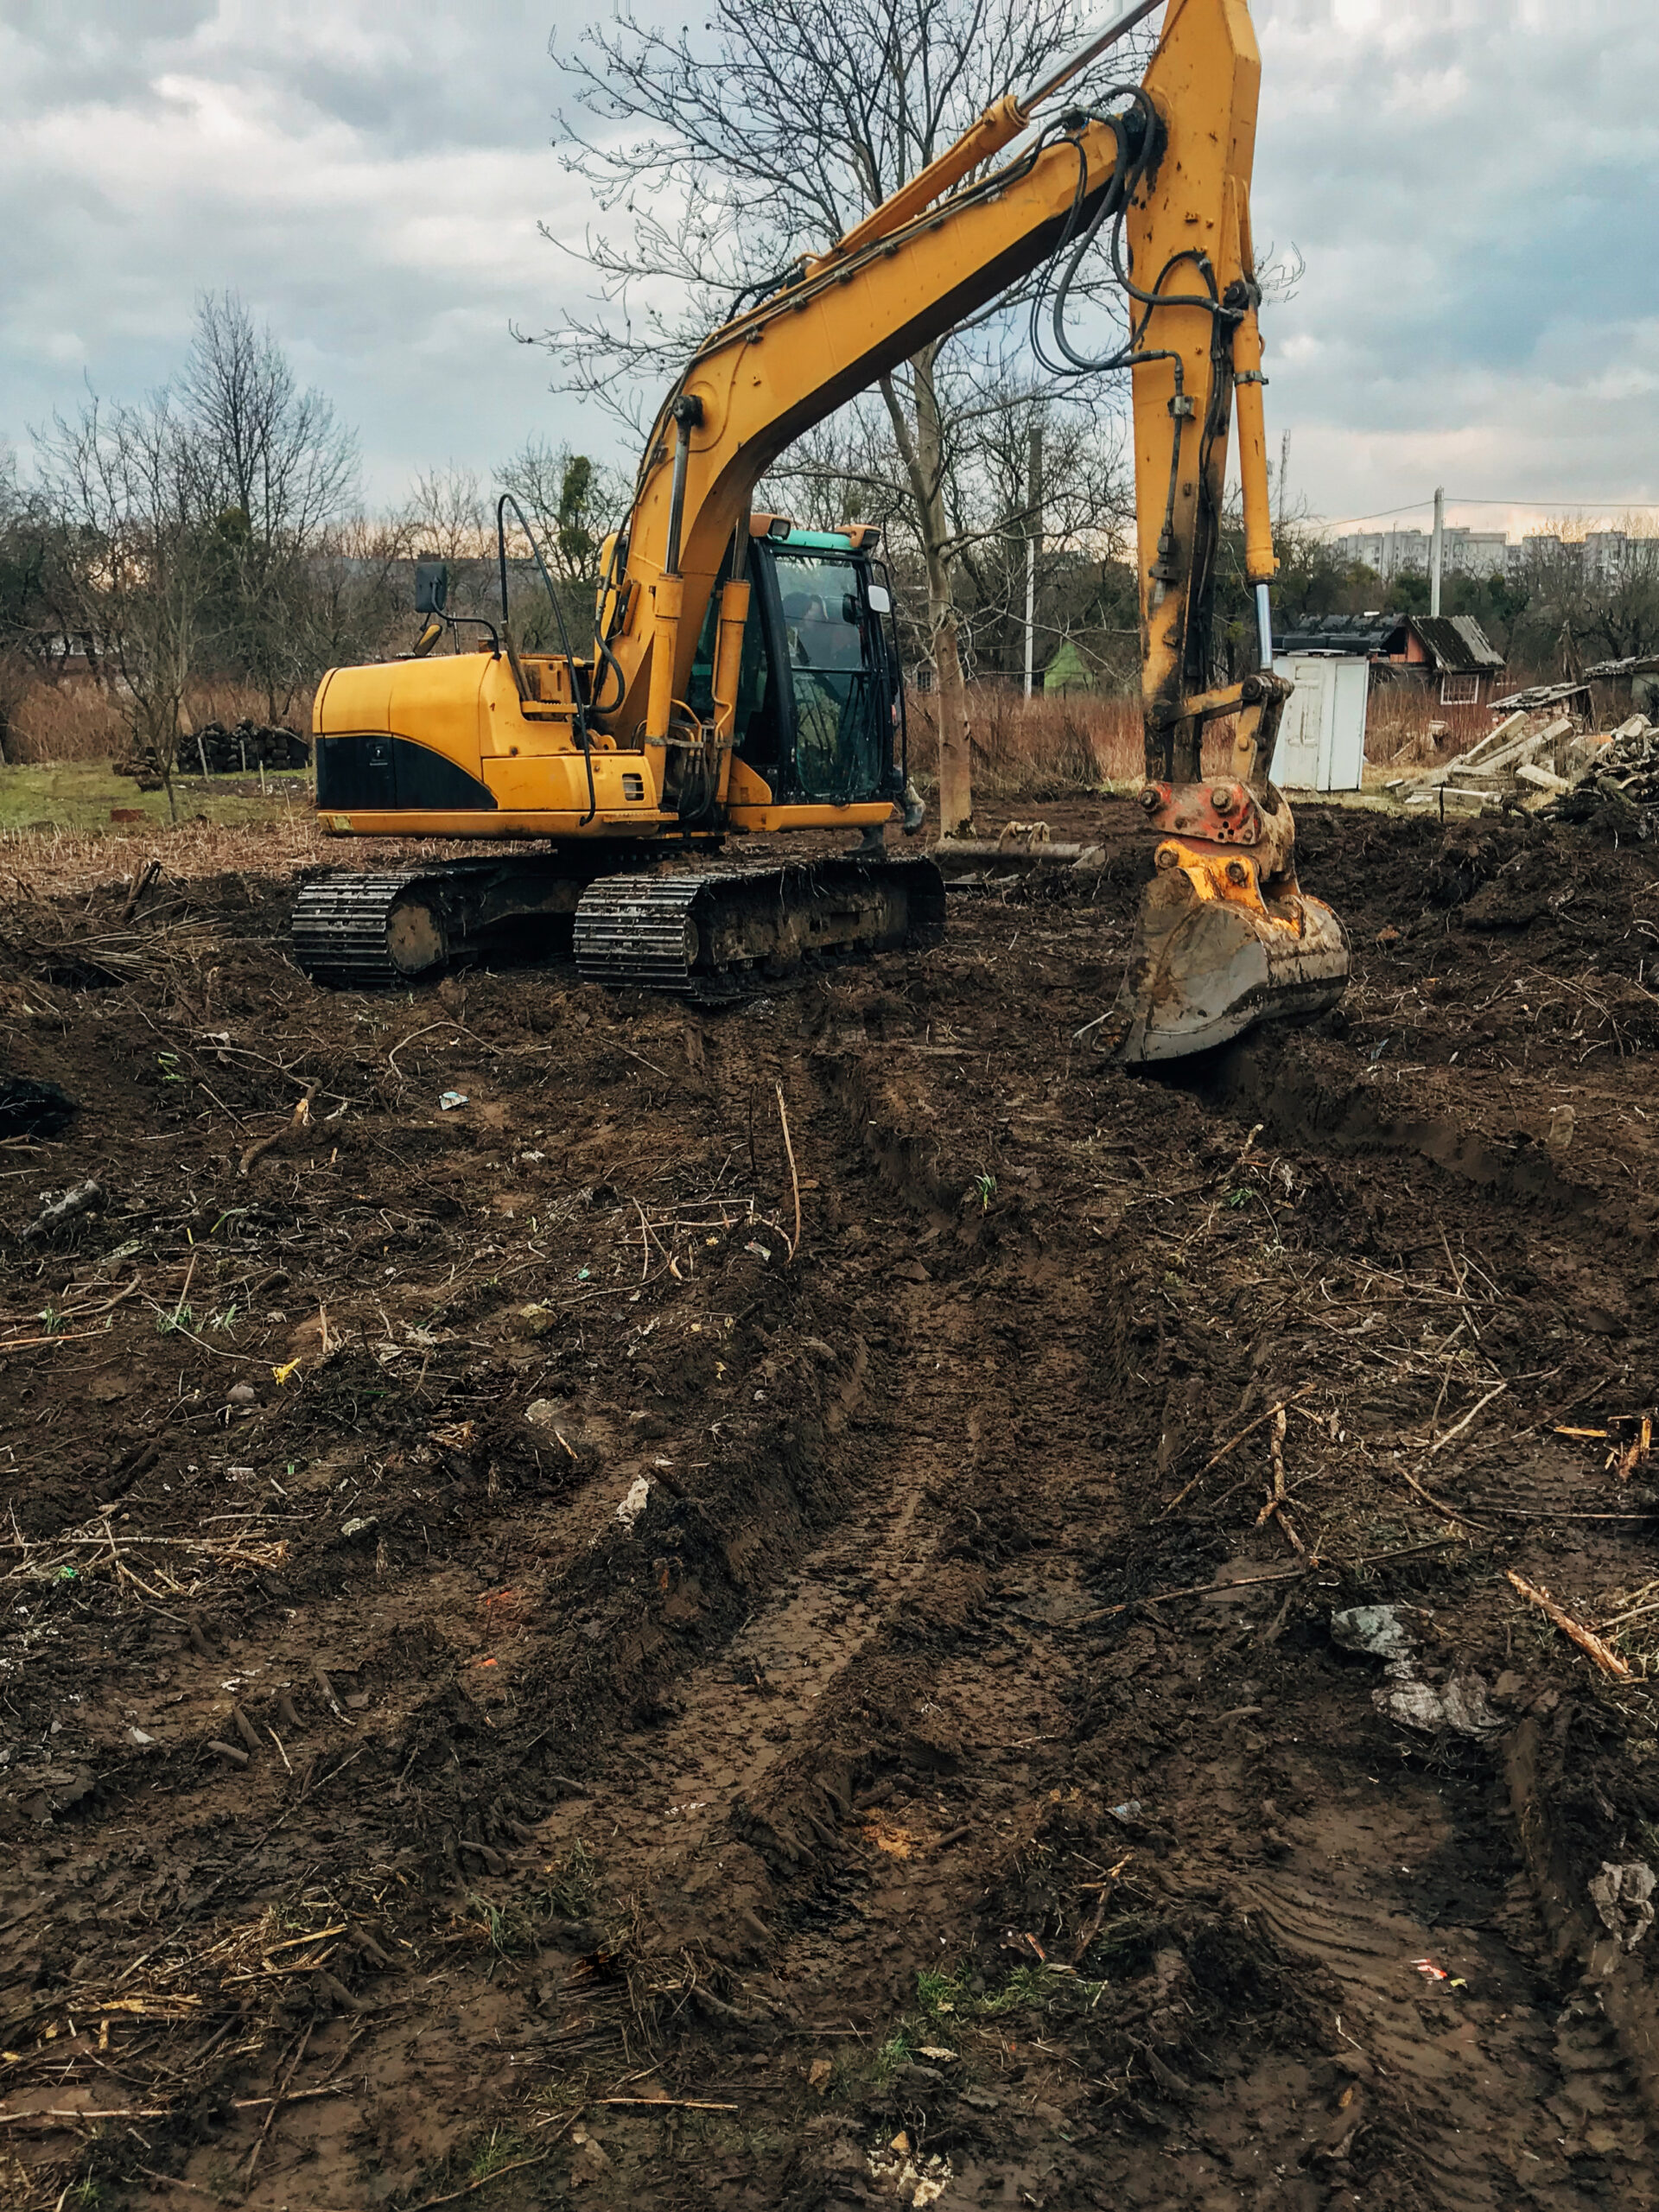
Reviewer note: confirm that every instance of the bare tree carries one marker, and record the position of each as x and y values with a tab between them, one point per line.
276	453
714	161
135	556
278	470
359	602
447	514
571	501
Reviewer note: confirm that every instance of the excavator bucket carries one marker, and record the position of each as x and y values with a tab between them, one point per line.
1210	959
1225	936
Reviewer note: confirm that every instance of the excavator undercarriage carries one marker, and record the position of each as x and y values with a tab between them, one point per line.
703	934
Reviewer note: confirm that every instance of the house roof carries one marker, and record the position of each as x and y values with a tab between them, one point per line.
1543	695
1453	642
1339	633
1635	665
1458	643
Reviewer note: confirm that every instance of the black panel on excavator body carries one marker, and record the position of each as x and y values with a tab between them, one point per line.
384	773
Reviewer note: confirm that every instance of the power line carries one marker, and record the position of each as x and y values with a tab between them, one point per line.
1457	500
1624	506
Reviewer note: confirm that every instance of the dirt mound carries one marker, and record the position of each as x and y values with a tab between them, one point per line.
565	1637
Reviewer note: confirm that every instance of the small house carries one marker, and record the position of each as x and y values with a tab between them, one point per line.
1450	654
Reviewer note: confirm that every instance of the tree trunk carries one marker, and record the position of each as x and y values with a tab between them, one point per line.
921	450
955	775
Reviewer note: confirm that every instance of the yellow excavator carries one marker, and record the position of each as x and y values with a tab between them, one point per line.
744	673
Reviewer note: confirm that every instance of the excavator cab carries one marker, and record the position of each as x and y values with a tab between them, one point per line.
820	699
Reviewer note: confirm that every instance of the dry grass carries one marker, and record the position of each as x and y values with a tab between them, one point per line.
1025	747
76	720
51	863
71	720
1400	717
60	863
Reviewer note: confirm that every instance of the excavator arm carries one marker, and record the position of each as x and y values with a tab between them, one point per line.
1225	936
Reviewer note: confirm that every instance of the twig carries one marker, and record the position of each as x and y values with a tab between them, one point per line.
66	2112
276	2104
1232	1444
1459	1279
655	1070
301	1119
472	2186
24	1343
795	1181
1195	1590
1440	1443
669	2104
1274	1508
1586	1639
1447	1512
141	883
645	1240
1251	1581
173	2181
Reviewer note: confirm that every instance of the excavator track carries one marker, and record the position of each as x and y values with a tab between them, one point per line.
703	934
341	934
718	936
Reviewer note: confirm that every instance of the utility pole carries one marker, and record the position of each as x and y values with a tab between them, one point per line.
1284	480
1034	532
1436	550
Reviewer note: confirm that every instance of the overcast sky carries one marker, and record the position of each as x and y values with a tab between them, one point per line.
1472	184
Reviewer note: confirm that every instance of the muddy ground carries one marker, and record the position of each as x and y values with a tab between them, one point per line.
533	1671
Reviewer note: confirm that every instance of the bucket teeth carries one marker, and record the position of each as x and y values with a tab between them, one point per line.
1211	958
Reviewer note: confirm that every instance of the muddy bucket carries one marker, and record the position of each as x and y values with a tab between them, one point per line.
1211	957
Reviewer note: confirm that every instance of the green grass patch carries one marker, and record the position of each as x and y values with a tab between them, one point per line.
503	2148
569	1892
946	2002
83	794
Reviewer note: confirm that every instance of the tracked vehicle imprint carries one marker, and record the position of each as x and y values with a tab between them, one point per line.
708	937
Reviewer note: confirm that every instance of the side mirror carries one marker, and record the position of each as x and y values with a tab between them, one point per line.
880	600
431	586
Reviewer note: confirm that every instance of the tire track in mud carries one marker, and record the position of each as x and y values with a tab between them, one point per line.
833	1685
1503	2094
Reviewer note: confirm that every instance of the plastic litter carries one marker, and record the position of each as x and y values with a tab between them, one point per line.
1622	1896
450	1100
1459	1706
634	1504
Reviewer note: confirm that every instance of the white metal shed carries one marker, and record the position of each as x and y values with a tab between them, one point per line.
1322	738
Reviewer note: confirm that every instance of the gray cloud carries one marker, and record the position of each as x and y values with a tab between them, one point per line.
370	181
1471	183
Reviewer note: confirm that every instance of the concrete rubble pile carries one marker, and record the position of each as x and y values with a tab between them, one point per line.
1623	777
1532	757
